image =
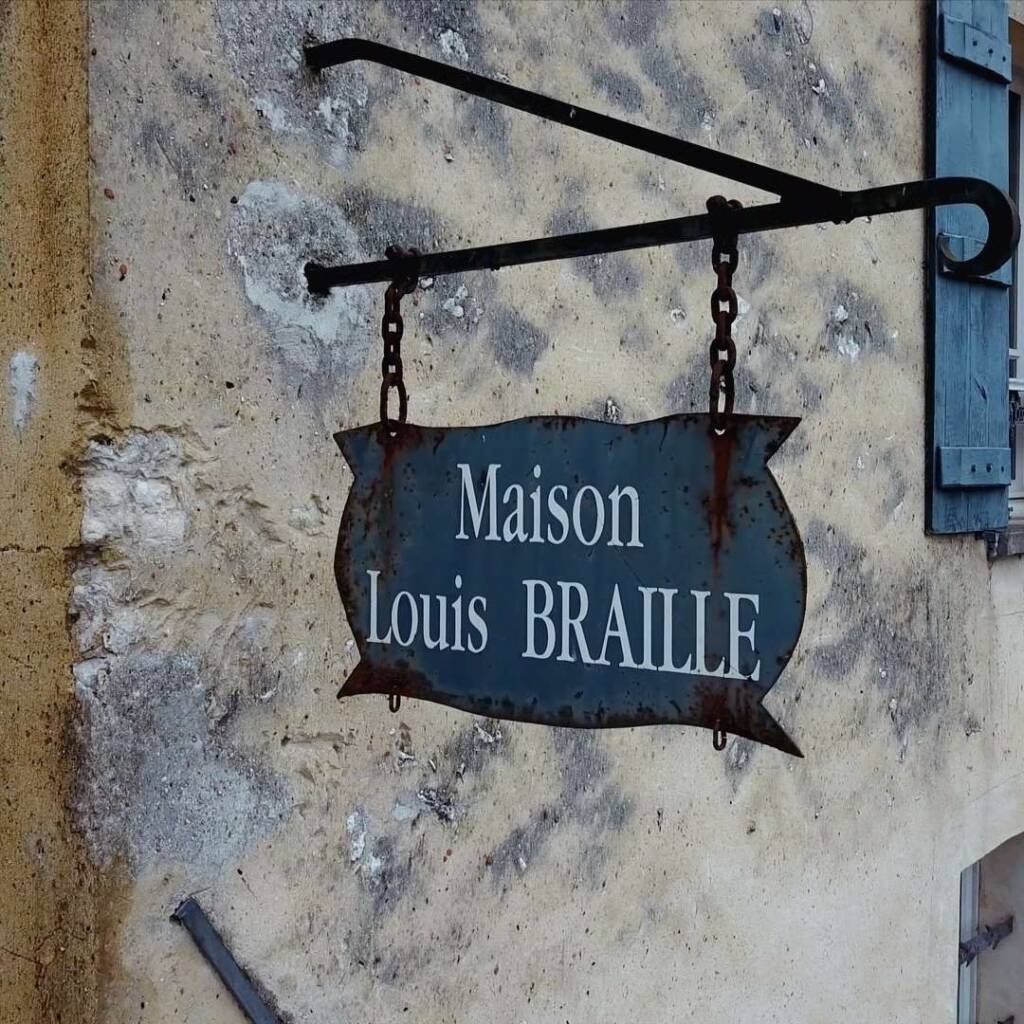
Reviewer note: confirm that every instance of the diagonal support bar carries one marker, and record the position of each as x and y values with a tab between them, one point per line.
344	51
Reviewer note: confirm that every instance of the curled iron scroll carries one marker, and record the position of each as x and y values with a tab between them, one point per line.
999	209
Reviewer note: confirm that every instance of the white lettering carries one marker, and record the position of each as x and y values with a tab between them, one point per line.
577	517
615	498
619	632
667	665
476	511
702	668
414	618
528	516
536	538
736	634
457	612
565	628
508	531
557	510
574	623
648	596
373	638
544	615
476	620
439	642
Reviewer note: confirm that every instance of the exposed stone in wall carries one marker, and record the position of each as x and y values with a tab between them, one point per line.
320	340
163	775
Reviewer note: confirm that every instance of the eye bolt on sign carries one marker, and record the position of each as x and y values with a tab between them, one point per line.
571	572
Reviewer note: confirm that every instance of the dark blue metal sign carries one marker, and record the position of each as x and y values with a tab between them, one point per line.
572	572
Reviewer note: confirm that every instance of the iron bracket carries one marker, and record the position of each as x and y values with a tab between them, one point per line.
191	916
801	202
987	938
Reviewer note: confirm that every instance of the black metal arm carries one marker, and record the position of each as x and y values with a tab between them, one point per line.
801	202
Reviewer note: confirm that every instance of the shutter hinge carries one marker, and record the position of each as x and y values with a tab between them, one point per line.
969	45
987	938
963	247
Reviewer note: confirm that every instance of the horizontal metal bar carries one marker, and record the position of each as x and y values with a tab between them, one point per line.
343	51
1004	229
194	920
539	250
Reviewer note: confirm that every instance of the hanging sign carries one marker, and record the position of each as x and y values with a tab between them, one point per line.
572	572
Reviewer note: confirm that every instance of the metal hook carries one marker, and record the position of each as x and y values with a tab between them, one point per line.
394	702
719	737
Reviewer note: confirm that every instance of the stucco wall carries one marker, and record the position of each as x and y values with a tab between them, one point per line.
428	865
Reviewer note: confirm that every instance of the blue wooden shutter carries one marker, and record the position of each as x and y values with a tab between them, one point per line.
969	320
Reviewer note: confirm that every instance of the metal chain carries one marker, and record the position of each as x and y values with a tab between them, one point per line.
392	327
724	256
724	306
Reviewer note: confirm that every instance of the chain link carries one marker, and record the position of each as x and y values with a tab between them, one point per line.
724	256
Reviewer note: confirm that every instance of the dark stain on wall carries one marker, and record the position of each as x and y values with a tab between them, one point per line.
473	747
686	97
622	89
777	61
452	778
482	122
199	89
641	25
756	264
895	487
516	342
163	774
392	884
589	800
687	391
428	20
456	304
383	221
890	623
694	258
738	759
610	275
635	22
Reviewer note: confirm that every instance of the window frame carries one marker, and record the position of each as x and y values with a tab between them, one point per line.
967	988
